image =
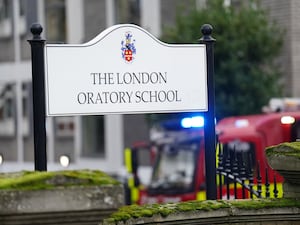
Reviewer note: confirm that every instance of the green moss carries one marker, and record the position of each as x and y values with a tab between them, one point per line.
36	180
287	149
201	205
165	209
134	211
265	203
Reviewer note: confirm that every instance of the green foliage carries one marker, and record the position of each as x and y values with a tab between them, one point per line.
35	180
246	45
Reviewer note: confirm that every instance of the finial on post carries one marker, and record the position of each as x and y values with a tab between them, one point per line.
206	30
36	29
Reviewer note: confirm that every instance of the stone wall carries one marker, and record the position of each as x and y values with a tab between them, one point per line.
239	212
72	206
72	201
285	159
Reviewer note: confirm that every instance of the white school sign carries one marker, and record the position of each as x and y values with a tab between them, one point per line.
125	70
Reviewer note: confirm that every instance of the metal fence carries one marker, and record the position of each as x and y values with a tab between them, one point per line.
240	177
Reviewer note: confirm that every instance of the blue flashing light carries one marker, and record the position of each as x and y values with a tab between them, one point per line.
192	122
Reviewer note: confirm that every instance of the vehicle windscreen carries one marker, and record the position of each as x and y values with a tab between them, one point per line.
174	169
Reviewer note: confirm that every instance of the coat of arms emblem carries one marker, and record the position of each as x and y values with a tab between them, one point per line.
128	48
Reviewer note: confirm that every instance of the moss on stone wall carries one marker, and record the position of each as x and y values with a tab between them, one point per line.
133	211
36	180
286	149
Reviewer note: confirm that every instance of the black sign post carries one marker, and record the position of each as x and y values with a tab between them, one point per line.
38	88
209	126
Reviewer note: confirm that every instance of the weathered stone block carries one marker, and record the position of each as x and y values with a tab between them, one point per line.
285	158
61	197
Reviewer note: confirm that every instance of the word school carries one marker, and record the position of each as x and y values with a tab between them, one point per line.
128	97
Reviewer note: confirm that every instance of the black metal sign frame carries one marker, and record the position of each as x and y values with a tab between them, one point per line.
39	116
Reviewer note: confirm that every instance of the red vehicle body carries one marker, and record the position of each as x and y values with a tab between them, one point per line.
178	172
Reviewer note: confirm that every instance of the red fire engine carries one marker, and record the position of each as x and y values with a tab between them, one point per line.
177	148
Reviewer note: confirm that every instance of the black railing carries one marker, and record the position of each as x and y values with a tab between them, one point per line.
238	179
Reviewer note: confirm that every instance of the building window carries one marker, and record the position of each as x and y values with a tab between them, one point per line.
6	18
7	127
128	11
56	20
93	136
